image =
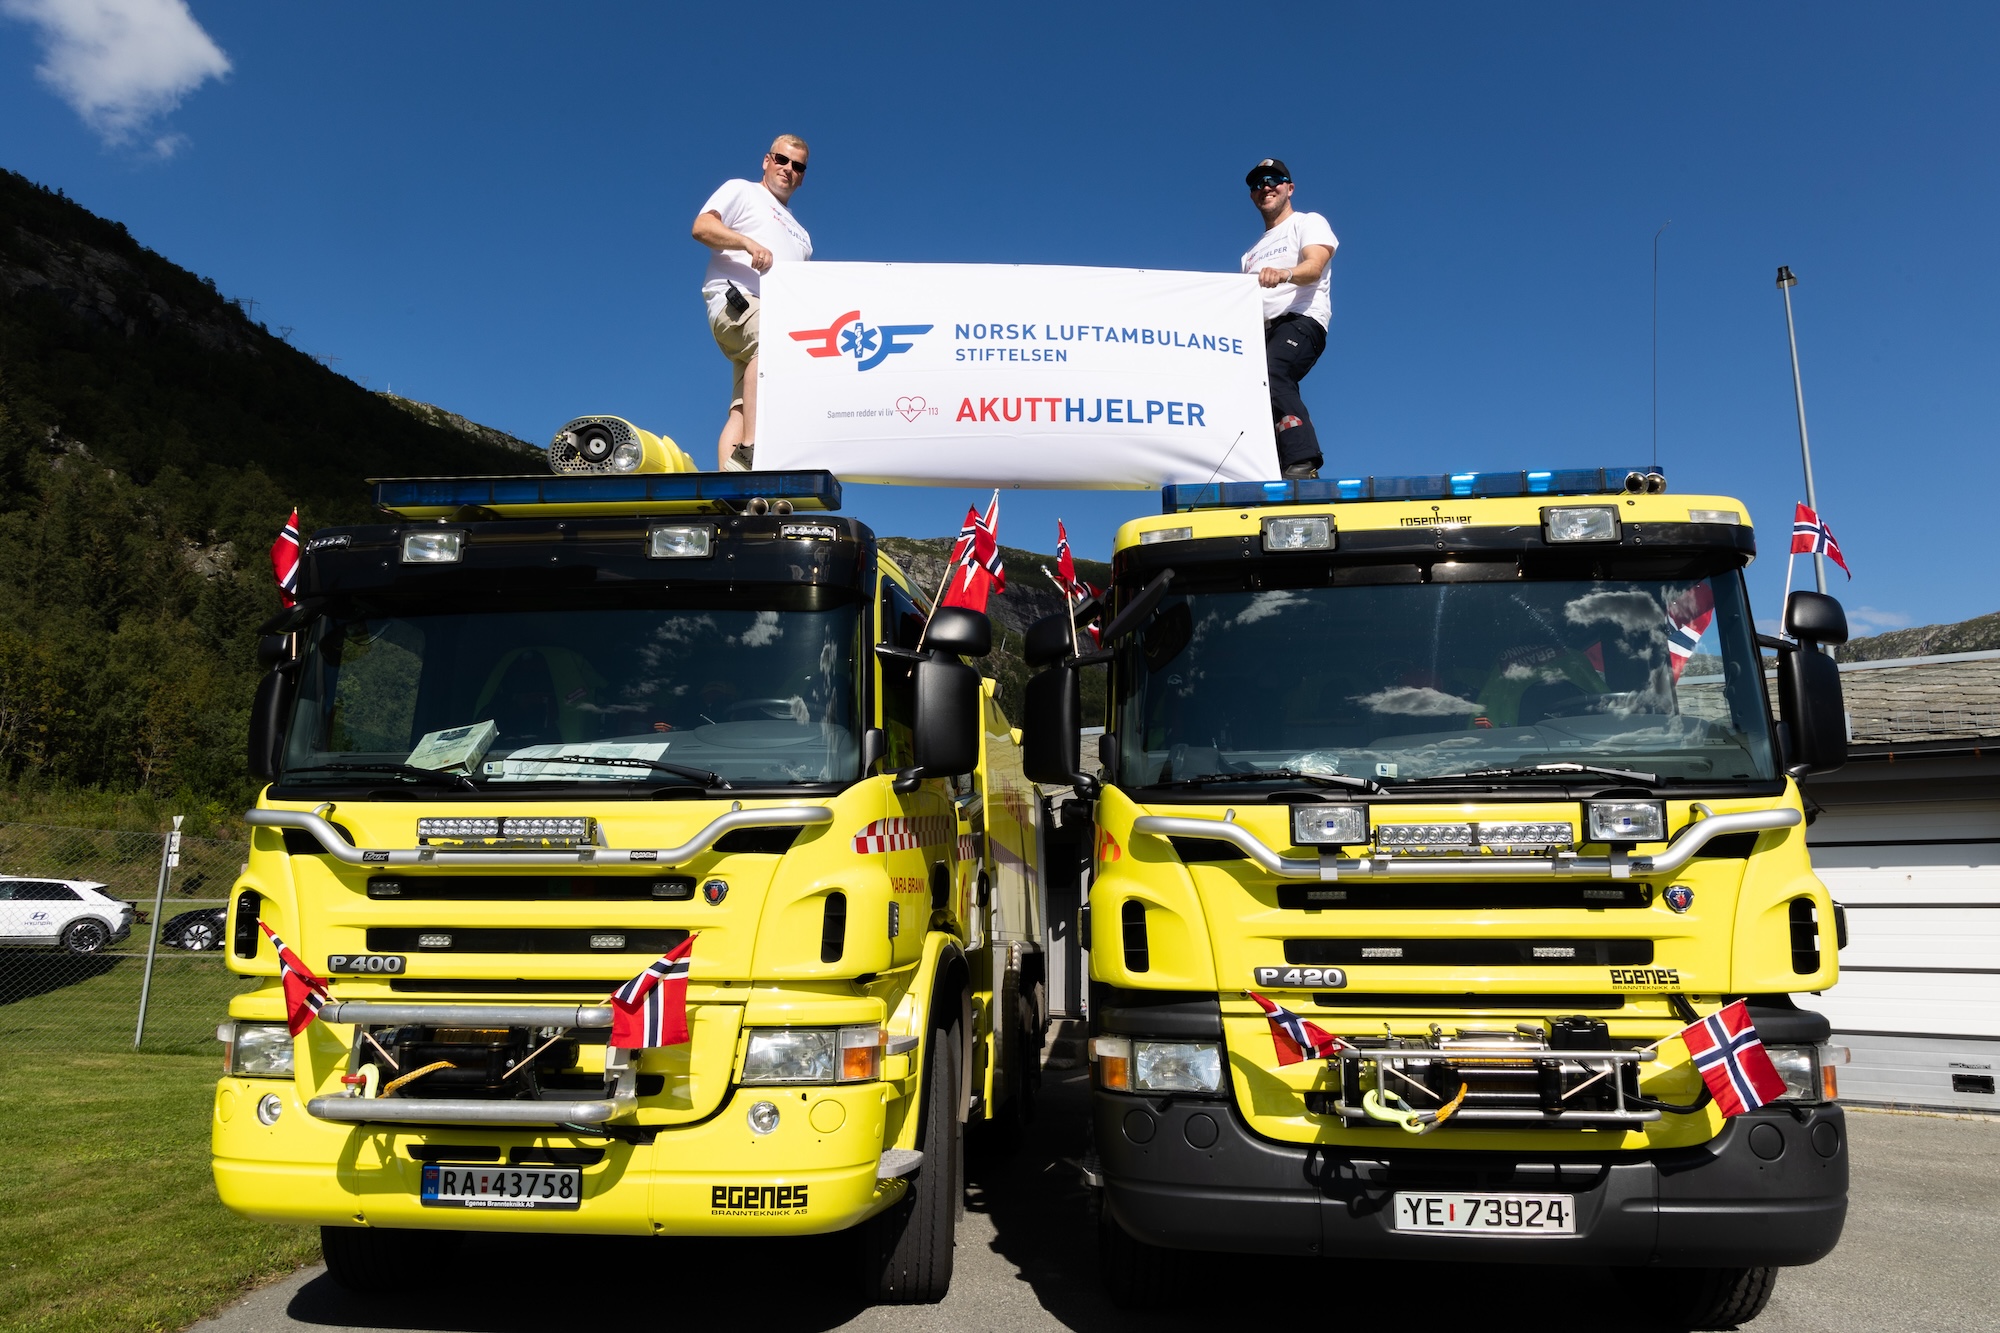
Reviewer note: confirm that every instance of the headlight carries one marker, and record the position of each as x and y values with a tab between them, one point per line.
256	1050
1808	1071
1329	825
813	1055
1312	532
1126	1064
1626	821
680	541
1580	524
433	548
626	457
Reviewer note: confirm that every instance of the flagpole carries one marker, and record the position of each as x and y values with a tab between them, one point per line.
1785	284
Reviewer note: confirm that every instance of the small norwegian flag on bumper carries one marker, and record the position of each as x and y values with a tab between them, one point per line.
651	1008
305	993
1297	1039
1732	1059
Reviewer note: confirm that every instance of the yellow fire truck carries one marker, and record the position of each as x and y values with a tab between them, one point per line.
1477	773
525	735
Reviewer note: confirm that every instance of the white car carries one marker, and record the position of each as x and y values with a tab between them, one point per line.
76	914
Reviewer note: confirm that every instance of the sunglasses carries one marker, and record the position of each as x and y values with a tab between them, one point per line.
1270	182
784	161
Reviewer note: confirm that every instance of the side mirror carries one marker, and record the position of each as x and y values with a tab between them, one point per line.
1050	748
1814	712
268	712
1813	617
956	629
1048	640
947	725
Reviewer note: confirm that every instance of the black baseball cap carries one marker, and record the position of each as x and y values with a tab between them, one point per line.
1270	166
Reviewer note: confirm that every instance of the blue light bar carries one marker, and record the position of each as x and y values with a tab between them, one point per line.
1433	486
653	492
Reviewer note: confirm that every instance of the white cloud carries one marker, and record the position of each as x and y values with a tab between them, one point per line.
1267	604
1869	620
122	64
1417	701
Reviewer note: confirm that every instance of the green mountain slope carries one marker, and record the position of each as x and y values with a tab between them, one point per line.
152	440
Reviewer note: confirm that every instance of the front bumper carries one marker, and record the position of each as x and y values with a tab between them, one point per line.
689	1181
1743	1199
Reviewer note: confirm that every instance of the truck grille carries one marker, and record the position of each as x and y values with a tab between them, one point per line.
1495	895
520	939
532	888
1471	953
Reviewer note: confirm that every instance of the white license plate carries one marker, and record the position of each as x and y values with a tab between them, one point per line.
1488	1214
450	1186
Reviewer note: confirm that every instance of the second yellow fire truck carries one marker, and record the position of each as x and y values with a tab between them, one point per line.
1476	774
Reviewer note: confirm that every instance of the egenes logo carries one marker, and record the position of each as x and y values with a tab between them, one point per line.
868	344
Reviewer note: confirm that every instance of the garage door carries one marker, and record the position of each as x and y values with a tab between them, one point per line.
1919	996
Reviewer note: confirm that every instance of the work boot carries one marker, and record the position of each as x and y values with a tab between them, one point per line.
1303	470
740	458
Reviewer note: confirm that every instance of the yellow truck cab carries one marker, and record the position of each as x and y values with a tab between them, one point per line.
526	734
1477	773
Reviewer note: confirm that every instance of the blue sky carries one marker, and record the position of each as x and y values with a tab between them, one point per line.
487	207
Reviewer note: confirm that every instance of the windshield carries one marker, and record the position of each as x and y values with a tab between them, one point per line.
756	688
1412	681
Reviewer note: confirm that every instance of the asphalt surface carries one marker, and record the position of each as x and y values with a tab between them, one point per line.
1920	1251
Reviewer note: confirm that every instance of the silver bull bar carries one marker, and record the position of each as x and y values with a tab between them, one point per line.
337	844
1329	865
620	1074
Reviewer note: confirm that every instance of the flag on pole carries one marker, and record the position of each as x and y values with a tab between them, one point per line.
304	992
1687	620
1811	536
651	1008
1732	1059
976	570
1295	1038
285	561
1075	591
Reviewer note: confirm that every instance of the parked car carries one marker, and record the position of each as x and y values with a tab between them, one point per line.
198	930
75	914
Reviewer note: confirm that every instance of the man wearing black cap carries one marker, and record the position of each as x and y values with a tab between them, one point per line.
1290	263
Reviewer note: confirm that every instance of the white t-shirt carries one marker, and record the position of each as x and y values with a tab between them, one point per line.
1280	247
747	207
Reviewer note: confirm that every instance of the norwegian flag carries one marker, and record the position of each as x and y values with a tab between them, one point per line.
1732	1059
1295	1038
652	1008
305	993
976	570
1074	589
1687	620
285	561
1811	536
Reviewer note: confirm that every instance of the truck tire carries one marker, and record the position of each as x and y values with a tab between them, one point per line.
1136	1275
906	1251
1704	1298
371	1261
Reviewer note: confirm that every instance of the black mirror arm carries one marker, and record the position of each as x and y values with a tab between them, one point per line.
1138	608
1775	643
903	654
906	781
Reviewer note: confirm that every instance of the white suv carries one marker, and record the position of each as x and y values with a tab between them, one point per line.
74	913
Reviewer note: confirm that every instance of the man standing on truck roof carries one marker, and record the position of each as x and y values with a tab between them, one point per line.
1290	263
749	227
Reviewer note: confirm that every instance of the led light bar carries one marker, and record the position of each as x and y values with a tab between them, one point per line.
642	493
1430	486
521	831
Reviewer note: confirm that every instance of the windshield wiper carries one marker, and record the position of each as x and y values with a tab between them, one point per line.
1558	770
700	775
432	775
1276	775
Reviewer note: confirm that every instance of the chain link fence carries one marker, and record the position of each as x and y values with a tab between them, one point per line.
112	940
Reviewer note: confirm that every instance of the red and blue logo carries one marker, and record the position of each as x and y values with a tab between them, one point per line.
868	344
1679	897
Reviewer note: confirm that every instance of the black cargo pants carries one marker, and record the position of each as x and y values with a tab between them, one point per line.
1292	346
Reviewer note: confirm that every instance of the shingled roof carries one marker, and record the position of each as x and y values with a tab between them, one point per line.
1920	700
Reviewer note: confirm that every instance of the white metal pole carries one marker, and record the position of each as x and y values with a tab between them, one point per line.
170	856
1785	283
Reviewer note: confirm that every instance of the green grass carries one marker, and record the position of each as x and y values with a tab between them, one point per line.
52	1001
108	1215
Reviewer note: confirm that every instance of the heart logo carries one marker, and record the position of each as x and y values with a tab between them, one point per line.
910	408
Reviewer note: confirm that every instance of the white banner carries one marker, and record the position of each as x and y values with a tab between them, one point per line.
1013	375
